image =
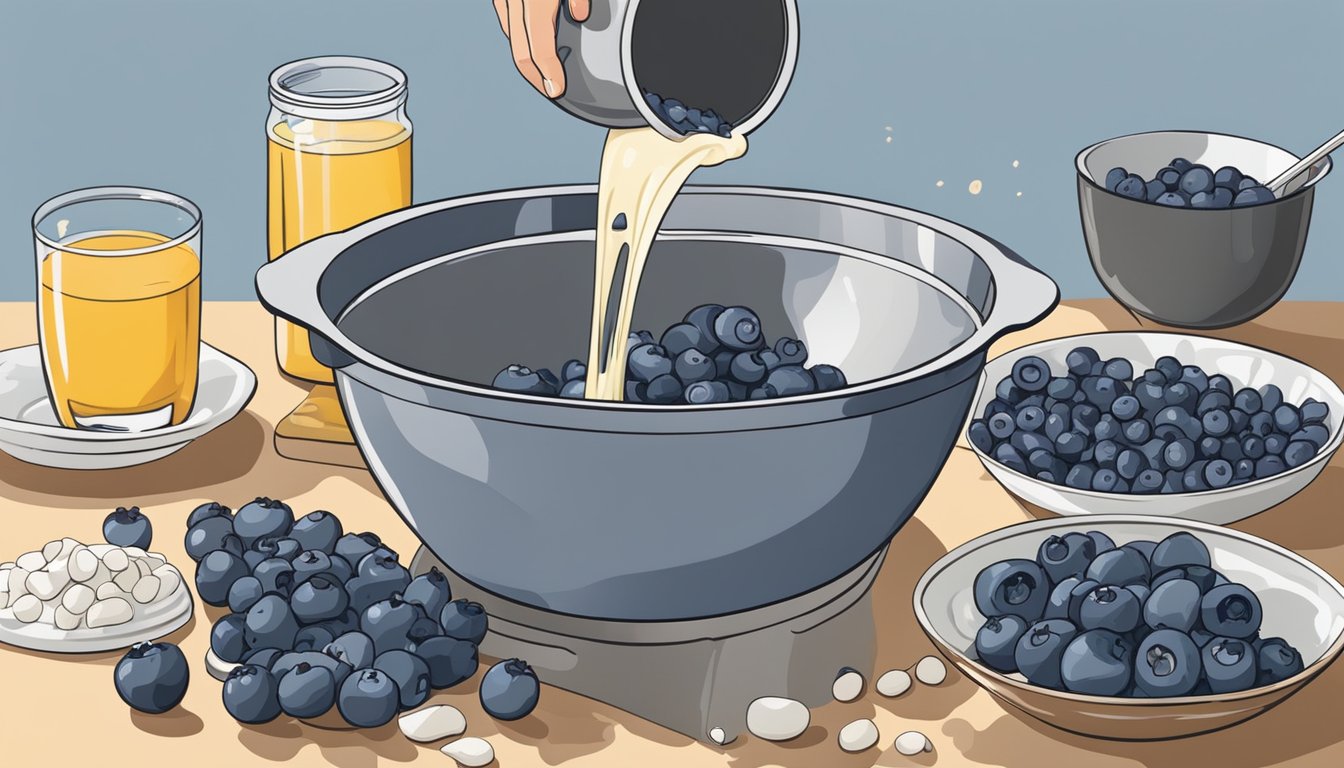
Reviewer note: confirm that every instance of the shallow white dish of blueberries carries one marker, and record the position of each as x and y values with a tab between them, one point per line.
29	430
1301	604
1244	365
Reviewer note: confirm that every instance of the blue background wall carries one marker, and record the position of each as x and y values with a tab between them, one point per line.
172	94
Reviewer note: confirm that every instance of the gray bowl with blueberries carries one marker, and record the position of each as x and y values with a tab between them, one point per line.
640	510
1181	230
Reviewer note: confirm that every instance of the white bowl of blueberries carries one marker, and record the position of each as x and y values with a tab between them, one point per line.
1181	229
1132	628
1161	424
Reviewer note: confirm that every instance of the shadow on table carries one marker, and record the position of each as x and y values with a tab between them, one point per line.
281	740
1297	728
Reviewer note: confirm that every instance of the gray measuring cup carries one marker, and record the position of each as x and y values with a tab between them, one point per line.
733	56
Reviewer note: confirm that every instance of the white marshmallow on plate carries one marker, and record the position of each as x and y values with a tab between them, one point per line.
169	580
433	723
27	609
18	583
83	564
65	620
775	718
47	585
894	683
108	613
31	561
146	589
858	736
110	589
126	580
51	550
471	752
116	560
931	670
77	598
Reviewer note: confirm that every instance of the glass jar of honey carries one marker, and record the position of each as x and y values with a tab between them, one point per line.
338	153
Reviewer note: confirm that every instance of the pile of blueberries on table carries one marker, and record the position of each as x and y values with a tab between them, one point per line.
715	355
1143	620
1184	184
324	619
1173	429
686	119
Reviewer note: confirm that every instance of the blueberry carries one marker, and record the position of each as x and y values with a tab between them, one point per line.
635	392
262	517
1276	660
1001	426
996	642
1174	604
1038	652
1085	417
354	648
152	677
127	528
663	390
1315	434
1080	476
1253	195
1167	664
311	562
206	511
790	351
464	620
1222	197
388	623
243	593
509	690
306	691
676	112
1101	391
1070	447
1031	374
1137	432
430	591
1030	418
1129	463
251	695
1119	567
288	661
383	578
1172	199
352	547
1216	422
313	638
450	661
788	381
1209	447
1269	466
1132	187
1227	177
1244	470
707	393
346	622
409	672
319	598
1148	481
216	573
703	317
1180	164
1112	608
1055	426
1196	178
738	328
226	638
523	380
683	337
1061	598
1098	663
1170	177
574	370
368	699
1114	177
317	530
1298	452
1247	400
574	390
1125	407
1065	556
1276	443
1061	388
647	362
270	623
1081	359
275	574
1271	397
1230	610
1314	412
748	368
1012	587
828	378
284	548
263	657
1229	664
207	535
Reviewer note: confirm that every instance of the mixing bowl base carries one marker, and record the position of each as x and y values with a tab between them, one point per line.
690	676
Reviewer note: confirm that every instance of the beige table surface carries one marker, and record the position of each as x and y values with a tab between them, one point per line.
63	711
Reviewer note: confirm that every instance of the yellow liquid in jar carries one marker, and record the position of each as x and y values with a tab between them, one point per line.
323	177
642	172
120	334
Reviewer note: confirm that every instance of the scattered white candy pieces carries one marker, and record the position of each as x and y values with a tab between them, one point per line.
848	685
217	667
718	736
108	613
931	670
31	561
913	743
775	718
471	752
433	723
858	736
78	598
894	683
27	609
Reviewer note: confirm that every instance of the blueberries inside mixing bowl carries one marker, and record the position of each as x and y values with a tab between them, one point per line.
1173	428
1182	184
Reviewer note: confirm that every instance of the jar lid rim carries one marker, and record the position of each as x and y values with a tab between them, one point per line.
283	92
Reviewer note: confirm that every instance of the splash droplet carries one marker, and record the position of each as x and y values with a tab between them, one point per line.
888	139
976	186
1019	194
1015	163
939	184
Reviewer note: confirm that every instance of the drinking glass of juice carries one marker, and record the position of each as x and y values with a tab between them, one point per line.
119	306
338	144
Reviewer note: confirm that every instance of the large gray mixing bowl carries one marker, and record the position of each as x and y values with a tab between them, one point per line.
637	512
1194	267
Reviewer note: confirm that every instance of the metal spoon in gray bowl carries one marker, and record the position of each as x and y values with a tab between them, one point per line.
1281	181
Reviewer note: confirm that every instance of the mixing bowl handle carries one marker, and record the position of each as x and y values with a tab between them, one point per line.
1033	296
288	287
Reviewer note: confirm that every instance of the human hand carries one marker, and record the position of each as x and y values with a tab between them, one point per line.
530	27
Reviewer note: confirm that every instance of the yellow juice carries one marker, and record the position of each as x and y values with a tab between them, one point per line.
325	176
121	334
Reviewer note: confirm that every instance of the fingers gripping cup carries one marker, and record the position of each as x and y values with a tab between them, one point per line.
119	306
634	61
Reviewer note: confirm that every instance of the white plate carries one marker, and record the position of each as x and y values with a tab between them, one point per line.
29	430
149	622
1301	603
1245	365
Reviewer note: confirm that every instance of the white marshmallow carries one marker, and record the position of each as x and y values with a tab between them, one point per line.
46	585
52	550
931	670
18	583
83	564
471	752
858	736
110	589
848	685
433	723
31	561
775	718
894	683
27	609
126	580
116	560
912	743
170	579
146	589
108	613
718	736
65	620
78	598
